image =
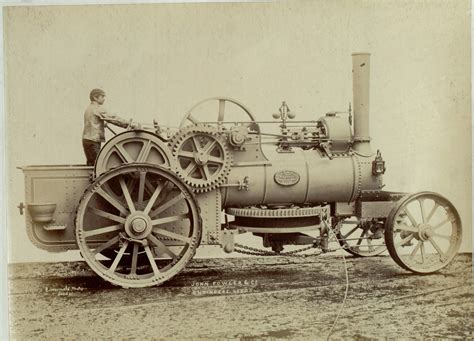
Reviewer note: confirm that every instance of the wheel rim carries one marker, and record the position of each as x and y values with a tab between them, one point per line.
133	147
138	209
423	232
362	239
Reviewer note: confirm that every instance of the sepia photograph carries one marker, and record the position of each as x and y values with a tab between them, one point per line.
238	170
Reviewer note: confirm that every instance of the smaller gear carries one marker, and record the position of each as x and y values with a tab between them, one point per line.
203	157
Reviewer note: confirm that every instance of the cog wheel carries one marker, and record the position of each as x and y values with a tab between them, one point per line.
203	157
294	212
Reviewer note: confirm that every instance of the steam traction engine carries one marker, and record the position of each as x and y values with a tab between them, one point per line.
152	198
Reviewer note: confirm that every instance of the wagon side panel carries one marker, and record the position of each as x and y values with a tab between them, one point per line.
46	186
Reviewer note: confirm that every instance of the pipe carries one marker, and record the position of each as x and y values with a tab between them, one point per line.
360	91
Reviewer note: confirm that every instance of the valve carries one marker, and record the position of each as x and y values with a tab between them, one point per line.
284	113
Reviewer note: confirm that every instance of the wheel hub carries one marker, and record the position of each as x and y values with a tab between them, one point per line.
138	225
201	158
425	232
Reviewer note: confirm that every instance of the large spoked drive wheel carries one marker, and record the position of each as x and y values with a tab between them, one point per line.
145	217
361	238
423	232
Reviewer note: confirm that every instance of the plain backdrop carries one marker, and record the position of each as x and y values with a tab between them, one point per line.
156	61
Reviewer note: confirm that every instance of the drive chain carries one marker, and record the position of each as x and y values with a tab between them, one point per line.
247	250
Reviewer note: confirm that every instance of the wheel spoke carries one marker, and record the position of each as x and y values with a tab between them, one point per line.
161	247
127	196
207	173
441	236
415	250
422	208
350	232
118	257
151	260
362	235
192	119
406	240
133	269
409	215
107	215
215	159
220	117
422	251
141	188
432	212
161	221
153	198
167	205
117	204
170	234
190	168
201	171
144	152
197	146
442	256
437	226
103	230
106	245
123	153
186	154
209	146
369	245
149	187
407	228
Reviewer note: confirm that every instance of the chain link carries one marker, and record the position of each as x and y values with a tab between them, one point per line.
248	250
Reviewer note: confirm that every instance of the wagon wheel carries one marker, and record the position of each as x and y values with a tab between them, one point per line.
423	232
361	238
190	119
133	146
161	224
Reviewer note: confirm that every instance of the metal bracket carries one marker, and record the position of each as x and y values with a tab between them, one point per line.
325	146
21	207
241	185
227	240
213	237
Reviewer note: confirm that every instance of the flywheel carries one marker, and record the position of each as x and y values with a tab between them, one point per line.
203	157
129	147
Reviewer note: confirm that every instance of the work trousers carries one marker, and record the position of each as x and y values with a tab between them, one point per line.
91	149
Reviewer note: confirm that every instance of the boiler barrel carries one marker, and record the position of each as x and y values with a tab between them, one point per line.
301	177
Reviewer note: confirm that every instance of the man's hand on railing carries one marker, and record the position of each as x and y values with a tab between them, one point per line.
134	125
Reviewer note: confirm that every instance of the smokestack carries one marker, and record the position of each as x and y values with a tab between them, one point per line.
360	91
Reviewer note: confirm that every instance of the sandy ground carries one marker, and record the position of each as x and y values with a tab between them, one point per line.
246	298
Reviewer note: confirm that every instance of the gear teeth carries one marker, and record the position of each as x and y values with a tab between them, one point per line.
199	185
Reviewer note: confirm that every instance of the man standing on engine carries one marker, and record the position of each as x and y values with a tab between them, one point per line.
94	119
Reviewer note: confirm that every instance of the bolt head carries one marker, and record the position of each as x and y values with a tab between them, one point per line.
138	225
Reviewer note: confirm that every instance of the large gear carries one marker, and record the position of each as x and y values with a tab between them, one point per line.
292	212
203	157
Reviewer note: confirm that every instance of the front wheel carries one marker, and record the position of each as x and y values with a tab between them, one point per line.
423	232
